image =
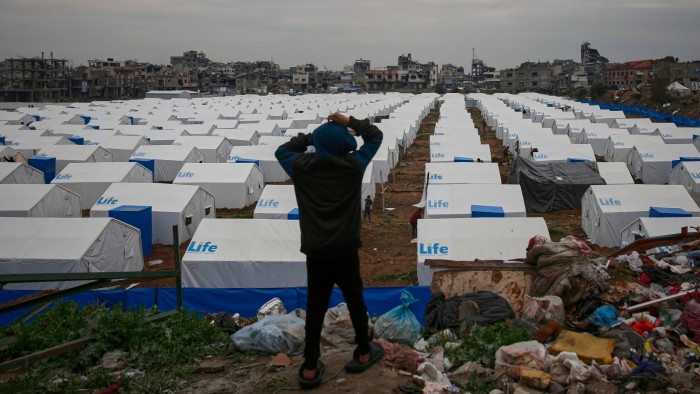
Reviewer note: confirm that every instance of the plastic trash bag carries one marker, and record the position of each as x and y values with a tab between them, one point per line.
522	355
544	309
605	316
399	324
272	335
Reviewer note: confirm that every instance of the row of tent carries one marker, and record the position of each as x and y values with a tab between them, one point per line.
199	186
655	154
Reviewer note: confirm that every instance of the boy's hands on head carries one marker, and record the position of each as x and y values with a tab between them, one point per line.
339	118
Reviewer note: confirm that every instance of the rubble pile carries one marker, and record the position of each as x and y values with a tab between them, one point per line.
570	336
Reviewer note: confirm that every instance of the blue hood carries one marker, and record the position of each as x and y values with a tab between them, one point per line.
332	139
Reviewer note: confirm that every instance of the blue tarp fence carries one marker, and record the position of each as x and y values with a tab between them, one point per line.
244	301
681	121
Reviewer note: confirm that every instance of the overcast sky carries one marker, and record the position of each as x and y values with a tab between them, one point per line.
334	33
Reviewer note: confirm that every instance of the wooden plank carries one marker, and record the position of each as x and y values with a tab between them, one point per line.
25	361
479	265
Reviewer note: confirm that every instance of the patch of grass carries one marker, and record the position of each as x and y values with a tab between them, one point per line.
480	343
410	275
474	387
166	349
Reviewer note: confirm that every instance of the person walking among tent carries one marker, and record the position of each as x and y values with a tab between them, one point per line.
414	221
368	208
328	187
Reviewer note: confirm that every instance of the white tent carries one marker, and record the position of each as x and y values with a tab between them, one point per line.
445	173
239	137
617	146
468	200
652	163
466	153
472	239
168	159
448	140
598	137
66	154
59	245
528	142
7	153
615	173
264	157
30	145
562	153
233	186
657	227
677	89
245	253
277	202
121	146
34	200
181	205
678	135
90	180
15	172
686	173
607	209
214	148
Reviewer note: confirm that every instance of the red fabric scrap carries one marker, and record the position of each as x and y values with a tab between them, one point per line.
644	279
642	327
692	323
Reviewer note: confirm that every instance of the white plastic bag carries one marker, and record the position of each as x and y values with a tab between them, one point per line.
544	309
272	335
518	356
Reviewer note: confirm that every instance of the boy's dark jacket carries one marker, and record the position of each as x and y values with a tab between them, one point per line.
328	183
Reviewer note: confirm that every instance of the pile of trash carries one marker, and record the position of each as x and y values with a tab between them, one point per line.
565	337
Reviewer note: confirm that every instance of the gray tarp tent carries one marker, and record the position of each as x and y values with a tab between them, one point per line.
549	186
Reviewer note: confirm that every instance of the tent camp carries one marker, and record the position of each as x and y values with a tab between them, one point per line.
264	157
474	200
35	200
598	137
549	186
167	160
652	163
562	153
214	148
462	172
59	245
657	227
233	186
66	154
277	202
686	173
15	172
90	180
245	253
615	173
607	209
472	239
181	205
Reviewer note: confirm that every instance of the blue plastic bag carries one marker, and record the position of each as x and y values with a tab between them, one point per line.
605	316
399	324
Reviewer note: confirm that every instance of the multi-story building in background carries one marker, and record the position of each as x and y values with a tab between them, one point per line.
35	79
528	77
451	76
685	73
592	63
629	75
407	75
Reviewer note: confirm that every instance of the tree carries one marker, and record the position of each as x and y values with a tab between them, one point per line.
659	93
440	89
670	59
